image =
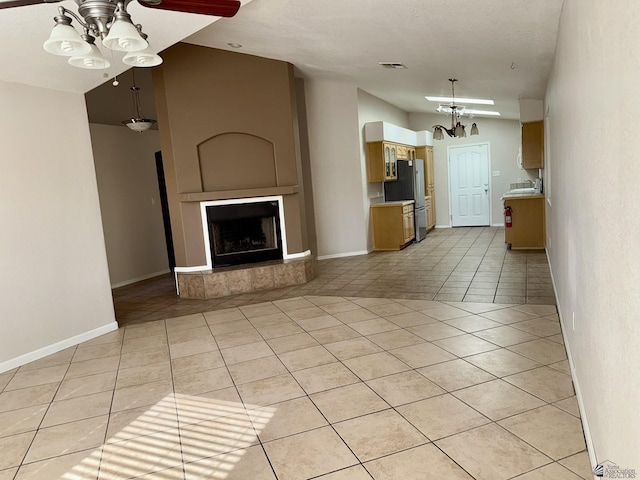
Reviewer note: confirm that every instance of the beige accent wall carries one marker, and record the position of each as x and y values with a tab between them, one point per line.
54	280
227	130
130	202
592	222
503	137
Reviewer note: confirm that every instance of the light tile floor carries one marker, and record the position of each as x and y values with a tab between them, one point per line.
444	360
460	264
327	387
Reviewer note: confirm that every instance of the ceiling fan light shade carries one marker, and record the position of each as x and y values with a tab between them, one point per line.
139	124
143	58
459	131
437	133
474	129
65	41
92	60
123	36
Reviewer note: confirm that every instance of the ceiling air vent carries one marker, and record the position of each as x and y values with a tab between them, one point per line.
396	65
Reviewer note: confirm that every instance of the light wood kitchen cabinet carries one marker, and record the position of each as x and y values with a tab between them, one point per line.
426	153
406	152
528	223
533	144
381	162
408	224
393	225
431	217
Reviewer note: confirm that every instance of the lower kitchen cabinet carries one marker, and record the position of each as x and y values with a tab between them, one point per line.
393	225
528	222
429	209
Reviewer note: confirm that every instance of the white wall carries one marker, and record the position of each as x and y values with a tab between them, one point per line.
129	202
336	168
594	231
54	282
503	137
373	109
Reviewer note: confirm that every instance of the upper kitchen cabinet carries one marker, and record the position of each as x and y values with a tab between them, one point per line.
382	161
533	144
406	152
388	143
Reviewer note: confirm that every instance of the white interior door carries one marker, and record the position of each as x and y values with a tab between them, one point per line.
469	185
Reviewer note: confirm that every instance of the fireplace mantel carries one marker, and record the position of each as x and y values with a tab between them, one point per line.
231	194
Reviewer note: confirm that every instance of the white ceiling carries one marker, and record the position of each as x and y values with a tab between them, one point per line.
499	49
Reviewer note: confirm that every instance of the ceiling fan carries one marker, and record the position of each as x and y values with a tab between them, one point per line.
110	21
219	8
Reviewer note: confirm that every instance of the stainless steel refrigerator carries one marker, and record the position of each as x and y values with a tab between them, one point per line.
410	186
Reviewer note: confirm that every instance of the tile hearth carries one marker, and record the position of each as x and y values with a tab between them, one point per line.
255	277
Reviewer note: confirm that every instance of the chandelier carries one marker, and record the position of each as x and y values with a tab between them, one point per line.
138	123
456	111
108	20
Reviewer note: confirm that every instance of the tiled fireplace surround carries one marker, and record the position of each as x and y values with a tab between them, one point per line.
208	282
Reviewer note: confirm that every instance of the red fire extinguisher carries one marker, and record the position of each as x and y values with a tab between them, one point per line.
507	217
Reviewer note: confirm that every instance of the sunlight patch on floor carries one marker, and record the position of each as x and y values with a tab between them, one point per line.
177	430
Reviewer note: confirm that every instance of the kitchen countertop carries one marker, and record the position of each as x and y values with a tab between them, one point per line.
521	195
392	203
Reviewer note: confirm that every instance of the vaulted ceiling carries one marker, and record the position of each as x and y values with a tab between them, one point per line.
498	49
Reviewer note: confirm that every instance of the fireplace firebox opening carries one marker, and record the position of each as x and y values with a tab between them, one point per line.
244	233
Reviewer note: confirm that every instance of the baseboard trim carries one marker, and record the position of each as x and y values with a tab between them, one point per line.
295	256
56	347
576	385
139	279
341	255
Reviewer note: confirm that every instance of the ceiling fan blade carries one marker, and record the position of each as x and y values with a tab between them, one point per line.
219	8
24	3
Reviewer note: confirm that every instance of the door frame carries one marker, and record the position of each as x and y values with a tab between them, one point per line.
479	144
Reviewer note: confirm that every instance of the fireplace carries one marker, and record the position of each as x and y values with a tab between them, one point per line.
244	233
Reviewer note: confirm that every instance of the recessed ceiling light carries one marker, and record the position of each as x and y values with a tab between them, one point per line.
478	101
395	65
234	45
471	111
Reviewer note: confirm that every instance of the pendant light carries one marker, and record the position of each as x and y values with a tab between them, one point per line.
138	123
456	111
